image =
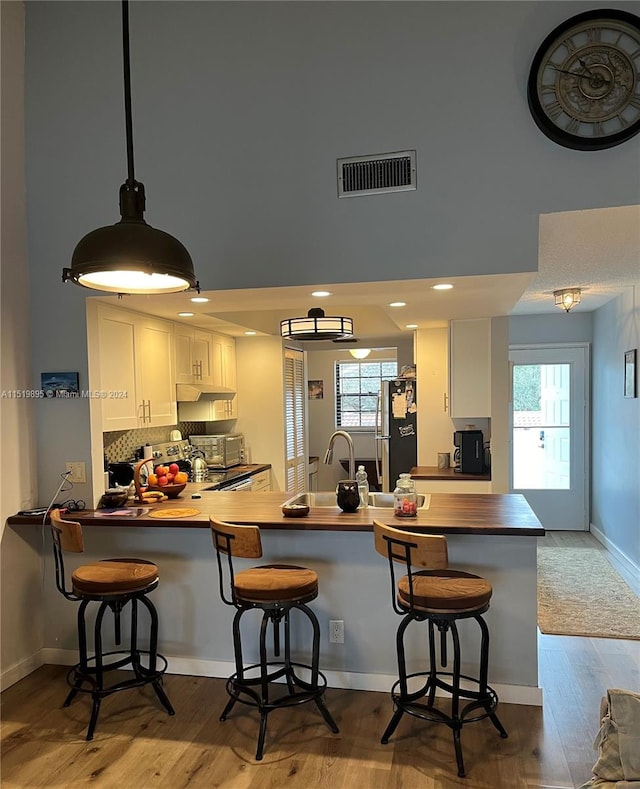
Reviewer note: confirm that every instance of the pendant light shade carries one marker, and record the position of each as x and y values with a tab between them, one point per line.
316	326
131	256
567	298
360	353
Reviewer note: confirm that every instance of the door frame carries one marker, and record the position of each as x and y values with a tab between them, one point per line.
585	347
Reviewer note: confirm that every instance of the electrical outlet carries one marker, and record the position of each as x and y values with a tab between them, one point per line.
78	471
336	631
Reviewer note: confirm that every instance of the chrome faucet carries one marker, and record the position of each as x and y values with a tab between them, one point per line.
328	457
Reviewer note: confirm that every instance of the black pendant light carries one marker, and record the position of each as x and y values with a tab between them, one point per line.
131	256
316	326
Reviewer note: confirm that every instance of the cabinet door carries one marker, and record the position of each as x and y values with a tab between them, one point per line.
117	369
229	362
470	368
184	359
155	371
202	356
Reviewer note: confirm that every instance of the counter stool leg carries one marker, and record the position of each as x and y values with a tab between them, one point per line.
82	667
237	652
402	677
315	667
484	671
455	699
99	684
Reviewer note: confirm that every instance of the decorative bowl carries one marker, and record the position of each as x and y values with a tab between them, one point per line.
172	491
113	498
295	510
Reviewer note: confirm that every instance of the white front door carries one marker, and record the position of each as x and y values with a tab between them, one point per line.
549	433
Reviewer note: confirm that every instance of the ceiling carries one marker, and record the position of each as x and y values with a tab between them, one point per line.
596	250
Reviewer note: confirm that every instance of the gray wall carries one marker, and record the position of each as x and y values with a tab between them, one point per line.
240	112
20	552
616	427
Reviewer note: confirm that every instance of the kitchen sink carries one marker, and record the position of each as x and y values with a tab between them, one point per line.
327	498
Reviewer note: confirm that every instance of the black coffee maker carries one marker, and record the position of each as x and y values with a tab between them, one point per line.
469	452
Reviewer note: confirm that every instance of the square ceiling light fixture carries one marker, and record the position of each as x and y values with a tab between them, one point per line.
316	326
567	298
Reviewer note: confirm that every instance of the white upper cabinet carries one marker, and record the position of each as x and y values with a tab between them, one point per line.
135	364
194	355
470	368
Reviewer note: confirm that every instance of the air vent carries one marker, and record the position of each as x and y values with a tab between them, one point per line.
383	172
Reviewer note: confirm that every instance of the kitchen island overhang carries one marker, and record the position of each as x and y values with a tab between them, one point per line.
493	535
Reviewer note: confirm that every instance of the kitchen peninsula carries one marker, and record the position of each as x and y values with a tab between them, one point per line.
489	534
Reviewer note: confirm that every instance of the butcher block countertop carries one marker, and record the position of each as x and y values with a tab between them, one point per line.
448	513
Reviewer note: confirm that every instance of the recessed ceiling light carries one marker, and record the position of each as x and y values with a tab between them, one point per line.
250	333
321	293
398	304
186	314
411	326
443	286
200	299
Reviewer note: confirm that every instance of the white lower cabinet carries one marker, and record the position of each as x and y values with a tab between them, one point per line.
136	374
261	481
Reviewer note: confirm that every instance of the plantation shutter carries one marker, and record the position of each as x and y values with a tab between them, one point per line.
294	403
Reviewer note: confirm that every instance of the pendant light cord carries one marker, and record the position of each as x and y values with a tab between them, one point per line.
127	91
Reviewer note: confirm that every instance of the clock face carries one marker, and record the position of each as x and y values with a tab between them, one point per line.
584	83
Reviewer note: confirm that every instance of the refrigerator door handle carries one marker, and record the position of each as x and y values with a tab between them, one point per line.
377	437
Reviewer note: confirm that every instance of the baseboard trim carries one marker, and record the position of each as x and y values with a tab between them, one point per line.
348	680
20	670
627	568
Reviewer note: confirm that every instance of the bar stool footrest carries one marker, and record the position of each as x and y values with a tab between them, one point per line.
247	690
79	674
487	701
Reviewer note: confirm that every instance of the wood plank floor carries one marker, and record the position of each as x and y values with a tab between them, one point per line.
138	746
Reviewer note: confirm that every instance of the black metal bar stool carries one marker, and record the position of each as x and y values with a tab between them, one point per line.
114	584
440	597
276	590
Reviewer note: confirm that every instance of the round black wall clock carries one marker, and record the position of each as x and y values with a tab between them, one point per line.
584	83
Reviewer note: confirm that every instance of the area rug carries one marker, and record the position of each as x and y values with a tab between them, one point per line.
581	594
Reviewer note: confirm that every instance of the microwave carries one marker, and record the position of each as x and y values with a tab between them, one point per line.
220	451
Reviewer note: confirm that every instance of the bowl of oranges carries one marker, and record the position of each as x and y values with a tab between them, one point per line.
168	480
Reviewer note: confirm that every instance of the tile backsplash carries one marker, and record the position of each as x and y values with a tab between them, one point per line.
121	445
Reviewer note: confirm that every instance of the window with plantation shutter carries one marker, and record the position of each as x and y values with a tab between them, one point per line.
294	405
358	386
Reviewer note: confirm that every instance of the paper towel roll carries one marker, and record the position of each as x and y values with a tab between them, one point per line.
147	452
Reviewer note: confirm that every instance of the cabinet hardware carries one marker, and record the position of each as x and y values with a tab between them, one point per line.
445	401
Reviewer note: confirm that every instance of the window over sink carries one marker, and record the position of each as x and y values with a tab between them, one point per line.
358	385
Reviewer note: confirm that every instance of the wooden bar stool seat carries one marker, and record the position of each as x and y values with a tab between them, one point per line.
116	585
440	597
276	590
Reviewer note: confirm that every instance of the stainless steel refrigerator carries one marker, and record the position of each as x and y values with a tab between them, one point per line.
396	431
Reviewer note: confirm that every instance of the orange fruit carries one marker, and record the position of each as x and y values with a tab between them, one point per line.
153	479
181	477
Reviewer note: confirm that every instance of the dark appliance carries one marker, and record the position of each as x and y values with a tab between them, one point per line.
120	474
396	431
469	452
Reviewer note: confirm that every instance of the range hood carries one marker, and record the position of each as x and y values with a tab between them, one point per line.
193	393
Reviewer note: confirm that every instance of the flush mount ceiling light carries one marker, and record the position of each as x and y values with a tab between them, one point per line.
200	299
442	286
186	314
131	256
360	353
398	304
567	298
316	326
320	294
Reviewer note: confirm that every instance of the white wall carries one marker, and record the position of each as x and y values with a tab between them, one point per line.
615	487
21	635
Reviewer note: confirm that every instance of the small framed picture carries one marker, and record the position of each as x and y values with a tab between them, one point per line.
316	390
630	379
60	384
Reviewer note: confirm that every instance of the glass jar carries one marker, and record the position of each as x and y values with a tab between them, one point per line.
405	498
